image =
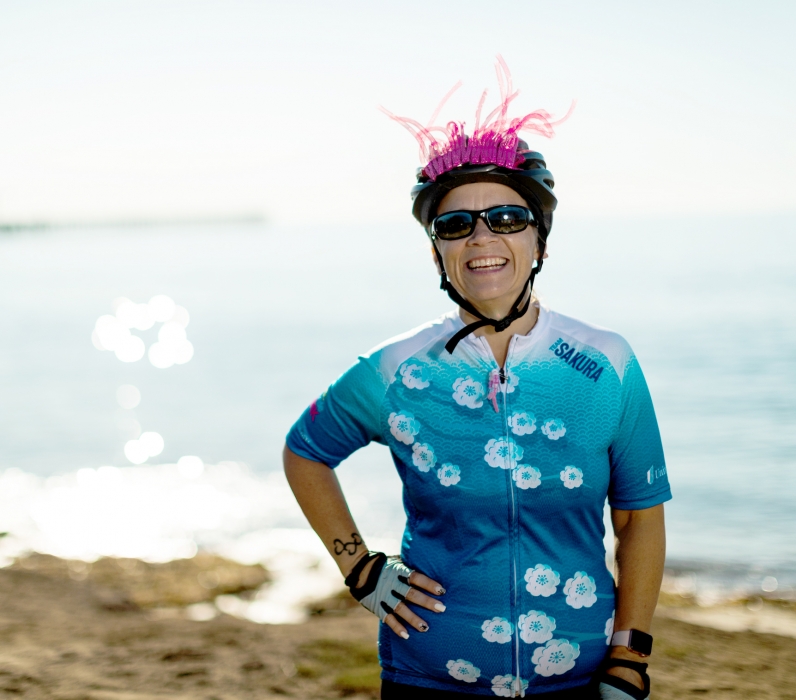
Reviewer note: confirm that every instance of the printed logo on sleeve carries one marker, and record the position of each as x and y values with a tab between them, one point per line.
579	361
654	473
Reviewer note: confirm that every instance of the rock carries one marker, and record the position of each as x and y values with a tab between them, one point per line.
123	584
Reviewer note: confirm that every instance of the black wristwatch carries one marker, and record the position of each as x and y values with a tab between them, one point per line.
635	640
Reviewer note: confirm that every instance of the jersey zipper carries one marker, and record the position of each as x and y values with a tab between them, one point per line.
501	372
515	547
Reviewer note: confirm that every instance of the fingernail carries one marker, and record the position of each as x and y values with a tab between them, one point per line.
440	591
405	635
439	607
423	627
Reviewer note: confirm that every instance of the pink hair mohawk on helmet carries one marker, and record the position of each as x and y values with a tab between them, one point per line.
494	142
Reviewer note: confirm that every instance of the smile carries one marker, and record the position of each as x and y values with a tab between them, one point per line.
486	264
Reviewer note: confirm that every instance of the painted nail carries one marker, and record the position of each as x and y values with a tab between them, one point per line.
405	635
423	627
439	606
440	591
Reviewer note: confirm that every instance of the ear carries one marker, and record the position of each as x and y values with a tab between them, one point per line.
435	259
546	252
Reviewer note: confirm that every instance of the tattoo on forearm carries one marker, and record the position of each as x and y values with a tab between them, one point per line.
348	547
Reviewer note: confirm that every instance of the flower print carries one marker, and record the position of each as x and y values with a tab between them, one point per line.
414	375
536	627
498	629
423	456
403	427
542	580
468	392
556	657
609	628
572	477
522	423
449	474
526	476
503	453
504	686
554	428
580	590
463	670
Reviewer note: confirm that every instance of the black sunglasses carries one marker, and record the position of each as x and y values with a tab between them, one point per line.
506	218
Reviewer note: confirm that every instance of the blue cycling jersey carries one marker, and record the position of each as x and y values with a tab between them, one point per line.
505	475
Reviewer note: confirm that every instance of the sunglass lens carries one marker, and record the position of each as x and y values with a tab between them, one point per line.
508	219
455	224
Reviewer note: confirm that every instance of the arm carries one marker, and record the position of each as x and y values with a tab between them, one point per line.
640	552
318	492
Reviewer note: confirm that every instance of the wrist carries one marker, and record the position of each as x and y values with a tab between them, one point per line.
347	566
627	654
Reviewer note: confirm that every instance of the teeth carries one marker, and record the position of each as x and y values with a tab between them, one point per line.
486	262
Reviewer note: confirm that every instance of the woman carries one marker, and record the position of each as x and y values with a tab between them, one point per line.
509	425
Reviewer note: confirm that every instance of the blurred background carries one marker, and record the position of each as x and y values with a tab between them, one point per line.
204	218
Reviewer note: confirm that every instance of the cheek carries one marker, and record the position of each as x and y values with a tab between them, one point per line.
450	252
524	253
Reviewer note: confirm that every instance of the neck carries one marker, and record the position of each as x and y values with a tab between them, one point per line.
499	341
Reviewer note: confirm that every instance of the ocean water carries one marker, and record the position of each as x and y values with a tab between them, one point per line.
275	313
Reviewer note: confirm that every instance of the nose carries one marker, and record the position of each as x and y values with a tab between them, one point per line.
481	234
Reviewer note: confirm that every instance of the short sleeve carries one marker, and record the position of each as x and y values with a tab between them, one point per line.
343	419
638	470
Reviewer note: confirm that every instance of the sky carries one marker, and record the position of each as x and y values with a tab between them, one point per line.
116	111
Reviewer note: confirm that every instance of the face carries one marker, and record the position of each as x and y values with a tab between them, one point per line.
488	269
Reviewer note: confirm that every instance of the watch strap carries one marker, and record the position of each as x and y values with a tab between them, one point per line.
635	640
621	639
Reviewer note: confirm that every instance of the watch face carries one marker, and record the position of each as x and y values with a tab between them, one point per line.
640	642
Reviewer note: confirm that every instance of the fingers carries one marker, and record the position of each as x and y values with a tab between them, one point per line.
419	580
403	611
425	601
392	622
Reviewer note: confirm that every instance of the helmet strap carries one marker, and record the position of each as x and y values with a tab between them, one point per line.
518	309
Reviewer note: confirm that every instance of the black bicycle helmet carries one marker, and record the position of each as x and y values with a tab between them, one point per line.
532	181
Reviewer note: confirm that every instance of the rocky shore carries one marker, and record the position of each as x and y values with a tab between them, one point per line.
121	630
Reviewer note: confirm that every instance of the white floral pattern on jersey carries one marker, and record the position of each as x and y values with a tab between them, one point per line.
503	453
542	580
580	590
526	476
556	657
522	423
609	628
554	428
536	627
498	629
414	375
423	456
511	381
468	392
403	427
449	474
571	476
463	670
504	686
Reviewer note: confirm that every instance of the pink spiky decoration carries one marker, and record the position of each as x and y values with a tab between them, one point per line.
494	142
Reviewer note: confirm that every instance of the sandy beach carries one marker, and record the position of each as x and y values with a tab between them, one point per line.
75	633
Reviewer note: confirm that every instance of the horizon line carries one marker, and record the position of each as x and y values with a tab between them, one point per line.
243	218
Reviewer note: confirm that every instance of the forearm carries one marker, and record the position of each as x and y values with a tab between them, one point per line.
639	556
318	492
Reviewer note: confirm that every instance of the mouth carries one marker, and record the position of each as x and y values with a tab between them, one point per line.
487	264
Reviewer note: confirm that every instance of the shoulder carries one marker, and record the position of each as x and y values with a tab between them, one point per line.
590	337
428	339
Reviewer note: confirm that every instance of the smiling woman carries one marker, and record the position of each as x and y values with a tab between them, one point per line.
502	569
